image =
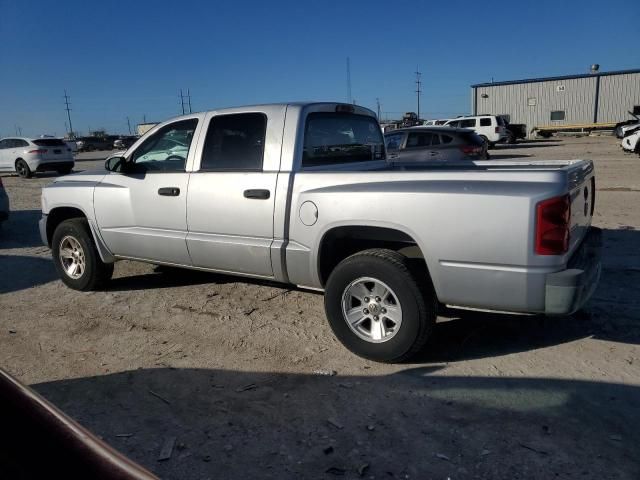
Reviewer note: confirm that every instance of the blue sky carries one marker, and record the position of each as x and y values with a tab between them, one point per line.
119	59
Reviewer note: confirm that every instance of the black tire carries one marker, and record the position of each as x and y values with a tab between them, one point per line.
417	300
95	273
65	170
23	169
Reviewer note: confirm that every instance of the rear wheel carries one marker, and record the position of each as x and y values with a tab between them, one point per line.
76	258
23	169
377	308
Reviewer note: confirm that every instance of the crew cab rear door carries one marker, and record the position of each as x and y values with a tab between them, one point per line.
232	190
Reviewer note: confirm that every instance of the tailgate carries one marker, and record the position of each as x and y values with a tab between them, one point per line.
581	182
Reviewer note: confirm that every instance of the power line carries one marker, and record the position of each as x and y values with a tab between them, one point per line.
186	102
418	89
348	80
66	102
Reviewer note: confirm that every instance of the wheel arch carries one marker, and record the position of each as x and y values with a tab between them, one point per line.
340	242
58	215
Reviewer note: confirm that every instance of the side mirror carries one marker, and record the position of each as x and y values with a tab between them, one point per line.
114	164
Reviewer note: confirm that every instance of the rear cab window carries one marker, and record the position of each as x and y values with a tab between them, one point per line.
340	138
485	122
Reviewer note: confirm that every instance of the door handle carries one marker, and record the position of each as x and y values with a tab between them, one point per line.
169	191
258	194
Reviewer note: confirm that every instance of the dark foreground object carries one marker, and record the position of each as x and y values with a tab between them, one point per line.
40	441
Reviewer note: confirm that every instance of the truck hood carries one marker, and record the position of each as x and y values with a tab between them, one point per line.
93	176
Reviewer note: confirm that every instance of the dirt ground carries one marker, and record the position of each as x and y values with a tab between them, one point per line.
230	367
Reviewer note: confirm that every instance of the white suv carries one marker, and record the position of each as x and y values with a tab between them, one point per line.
26	156
491	128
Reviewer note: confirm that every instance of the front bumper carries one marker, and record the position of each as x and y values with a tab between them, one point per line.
42	226
58	165
568	290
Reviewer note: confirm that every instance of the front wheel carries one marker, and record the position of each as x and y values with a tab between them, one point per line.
377	308
76	258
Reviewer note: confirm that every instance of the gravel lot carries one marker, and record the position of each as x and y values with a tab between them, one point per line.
235	363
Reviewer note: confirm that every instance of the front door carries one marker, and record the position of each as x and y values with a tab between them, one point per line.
141	211
231	196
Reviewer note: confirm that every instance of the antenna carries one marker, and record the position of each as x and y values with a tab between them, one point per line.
189	97
182	101
348	80
418	89
129	125
66	102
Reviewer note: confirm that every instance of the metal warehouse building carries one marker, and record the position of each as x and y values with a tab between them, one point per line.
598	97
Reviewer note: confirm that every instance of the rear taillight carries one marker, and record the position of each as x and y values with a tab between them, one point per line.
497	129
470	150
40	150
553	218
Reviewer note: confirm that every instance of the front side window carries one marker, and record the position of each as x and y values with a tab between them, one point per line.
166	150
453	124
235	142
485	122
4	144
557	115
336	138
393	141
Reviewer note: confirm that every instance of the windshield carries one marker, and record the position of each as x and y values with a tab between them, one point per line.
336	138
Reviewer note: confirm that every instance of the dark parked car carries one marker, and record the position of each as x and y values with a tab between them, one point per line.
89	144
514	131
417	144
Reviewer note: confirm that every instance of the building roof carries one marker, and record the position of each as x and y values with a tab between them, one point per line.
547	79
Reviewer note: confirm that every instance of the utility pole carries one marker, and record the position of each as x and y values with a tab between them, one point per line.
66	102
182	101
418	89
189	97
18	130
378	104
349	100
129	125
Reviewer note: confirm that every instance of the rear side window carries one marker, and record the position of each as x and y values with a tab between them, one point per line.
336	138
235	142
471	139
485	122
50	142
469	123
419	139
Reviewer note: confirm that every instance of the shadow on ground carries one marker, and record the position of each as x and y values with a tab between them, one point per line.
18	272
413	424
21	230
526	144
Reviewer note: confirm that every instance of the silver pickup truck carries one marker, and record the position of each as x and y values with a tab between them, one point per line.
302	193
